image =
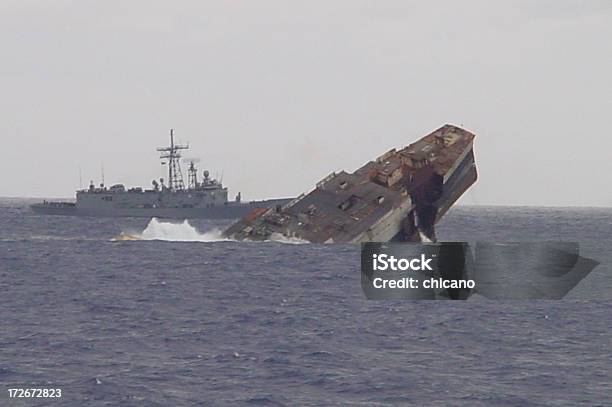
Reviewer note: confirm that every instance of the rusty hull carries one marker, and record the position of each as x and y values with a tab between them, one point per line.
399	196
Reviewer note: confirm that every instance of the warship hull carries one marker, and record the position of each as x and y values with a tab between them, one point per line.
231	210
399	196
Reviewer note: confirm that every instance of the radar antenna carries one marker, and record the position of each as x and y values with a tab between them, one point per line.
172	155
192	179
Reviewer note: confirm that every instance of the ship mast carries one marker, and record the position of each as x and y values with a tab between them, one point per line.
173	155
192	178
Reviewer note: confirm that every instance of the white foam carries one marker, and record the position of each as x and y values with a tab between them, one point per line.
184	232
177	232
424	238
279	238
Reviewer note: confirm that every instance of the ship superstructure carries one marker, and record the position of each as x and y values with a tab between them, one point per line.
171	198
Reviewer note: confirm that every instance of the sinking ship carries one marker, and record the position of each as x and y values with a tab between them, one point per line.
200	198
400	196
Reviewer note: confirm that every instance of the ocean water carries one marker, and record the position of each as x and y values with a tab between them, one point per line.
185	318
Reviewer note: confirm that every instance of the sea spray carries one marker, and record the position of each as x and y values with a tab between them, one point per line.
185	232
178	232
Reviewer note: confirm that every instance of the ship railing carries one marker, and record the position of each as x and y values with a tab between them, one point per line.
294	201
321	184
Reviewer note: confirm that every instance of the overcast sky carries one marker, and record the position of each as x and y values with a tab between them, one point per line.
278	94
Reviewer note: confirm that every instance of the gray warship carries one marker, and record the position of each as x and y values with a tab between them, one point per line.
399	196
200	198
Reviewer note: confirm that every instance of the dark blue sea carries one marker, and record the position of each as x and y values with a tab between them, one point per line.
192	320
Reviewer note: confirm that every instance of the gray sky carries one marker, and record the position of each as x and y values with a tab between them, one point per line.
278	94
